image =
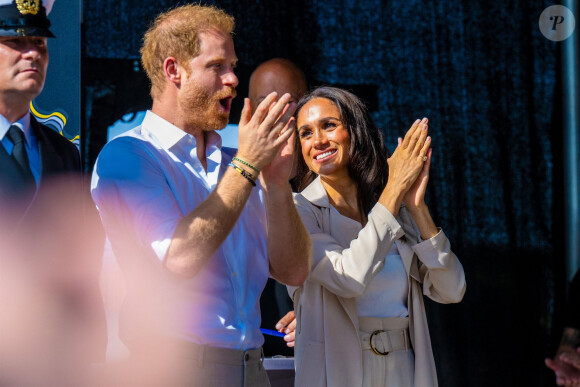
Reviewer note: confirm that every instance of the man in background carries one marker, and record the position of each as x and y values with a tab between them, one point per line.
282	76
279	75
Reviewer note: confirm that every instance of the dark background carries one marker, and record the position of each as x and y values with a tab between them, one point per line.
490	84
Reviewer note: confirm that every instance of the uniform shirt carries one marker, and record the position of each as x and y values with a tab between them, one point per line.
144	182
31	144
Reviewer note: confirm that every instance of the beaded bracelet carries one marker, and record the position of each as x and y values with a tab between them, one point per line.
246	163
250	175
243	173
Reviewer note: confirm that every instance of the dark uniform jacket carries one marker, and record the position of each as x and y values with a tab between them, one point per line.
59	157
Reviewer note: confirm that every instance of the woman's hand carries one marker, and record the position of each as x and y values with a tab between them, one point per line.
415	196
405	165
408	160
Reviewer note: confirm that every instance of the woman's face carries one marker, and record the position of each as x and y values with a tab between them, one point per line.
324	140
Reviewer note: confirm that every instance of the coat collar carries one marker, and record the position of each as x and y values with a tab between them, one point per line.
316	194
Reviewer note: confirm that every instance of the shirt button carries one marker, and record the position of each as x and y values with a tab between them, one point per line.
235	274
247	357
242	313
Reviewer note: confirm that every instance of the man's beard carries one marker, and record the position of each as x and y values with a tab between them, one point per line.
202	108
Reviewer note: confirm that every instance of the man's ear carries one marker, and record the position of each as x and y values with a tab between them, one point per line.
172	70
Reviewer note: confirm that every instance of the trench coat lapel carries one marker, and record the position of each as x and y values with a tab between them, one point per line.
316	194
405	249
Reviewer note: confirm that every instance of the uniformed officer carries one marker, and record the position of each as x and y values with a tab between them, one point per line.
30	151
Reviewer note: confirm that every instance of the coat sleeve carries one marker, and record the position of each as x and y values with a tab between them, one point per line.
441	272
346	272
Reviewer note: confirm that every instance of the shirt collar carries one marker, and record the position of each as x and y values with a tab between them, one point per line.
23	123
213	142
164	132
169	135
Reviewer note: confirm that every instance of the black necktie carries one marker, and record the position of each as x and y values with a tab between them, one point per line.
19	153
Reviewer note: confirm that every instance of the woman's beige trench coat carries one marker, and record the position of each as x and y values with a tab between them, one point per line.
345	259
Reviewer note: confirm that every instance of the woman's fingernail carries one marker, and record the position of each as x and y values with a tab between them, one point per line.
279	326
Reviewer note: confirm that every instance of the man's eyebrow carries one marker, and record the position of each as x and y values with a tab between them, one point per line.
216	59
222	57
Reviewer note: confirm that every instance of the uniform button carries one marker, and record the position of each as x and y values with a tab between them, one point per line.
235	274
247	357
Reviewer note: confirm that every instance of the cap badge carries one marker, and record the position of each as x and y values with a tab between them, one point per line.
28	6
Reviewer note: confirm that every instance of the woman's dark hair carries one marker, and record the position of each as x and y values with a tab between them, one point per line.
367	154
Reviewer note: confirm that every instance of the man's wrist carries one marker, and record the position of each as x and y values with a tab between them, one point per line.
248	163
278	185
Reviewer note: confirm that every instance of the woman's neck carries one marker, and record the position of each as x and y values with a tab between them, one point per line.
343	195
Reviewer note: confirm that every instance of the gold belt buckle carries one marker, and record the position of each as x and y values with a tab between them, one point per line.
376	351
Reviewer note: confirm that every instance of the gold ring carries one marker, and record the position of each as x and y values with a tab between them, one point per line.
424	158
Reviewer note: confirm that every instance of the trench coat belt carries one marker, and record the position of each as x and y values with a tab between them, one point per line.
382	342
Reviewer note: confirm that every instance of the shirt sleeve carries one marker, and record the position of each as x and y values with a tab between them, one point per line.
133	196
347	271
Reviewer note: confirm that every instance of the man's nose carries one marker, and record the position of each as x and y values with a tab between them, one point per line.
230	79
30	50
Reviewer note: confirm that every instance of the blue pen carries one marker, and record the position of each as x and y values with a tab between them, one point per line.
272	333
